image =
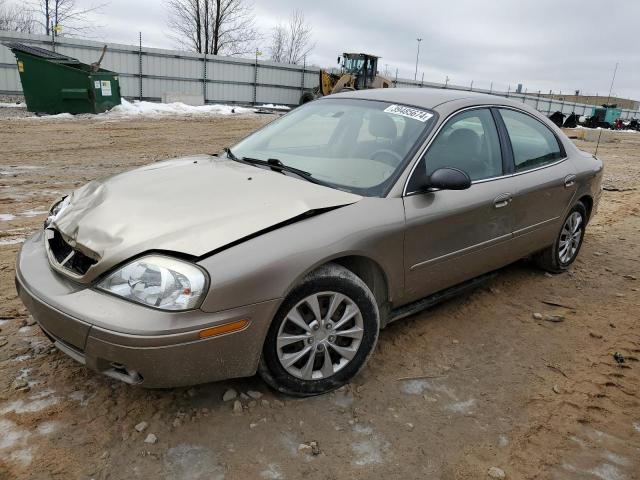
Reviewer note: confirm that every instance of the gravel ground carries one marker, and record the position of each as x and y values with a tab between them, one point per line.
474	387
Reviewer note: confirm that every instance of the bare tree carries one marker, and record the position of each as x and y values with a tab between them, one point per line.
218	27
15	18
279	41
64	15
291	43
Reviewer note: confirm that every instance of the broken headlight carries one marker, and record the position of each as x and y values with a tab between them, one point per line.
56	210
158	281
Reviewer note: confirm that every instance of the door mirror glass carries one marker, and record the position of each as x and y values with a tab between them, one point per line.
447	178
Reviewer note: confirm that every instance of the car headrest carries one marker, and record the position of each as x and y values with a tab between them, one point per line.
464	142
382	126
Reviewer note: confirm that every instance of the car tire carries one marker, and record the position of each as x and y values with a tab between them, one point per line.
349	322
307	97
556	259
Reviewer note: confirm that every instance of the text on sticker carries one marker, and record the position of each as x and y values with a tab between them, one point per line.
409	112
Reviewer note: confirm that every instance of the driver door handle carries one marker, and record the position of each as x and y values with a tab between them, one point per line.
569	181
502	200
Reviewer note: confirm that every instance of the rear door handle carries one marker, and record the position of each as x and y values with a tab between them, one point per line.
569	181
502	200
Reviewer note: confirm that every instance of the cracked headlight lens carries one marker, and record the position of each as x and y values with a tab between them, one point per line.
56	210
158	281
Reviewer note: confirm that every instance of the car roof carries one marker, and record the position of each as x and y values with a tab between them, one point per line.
426	97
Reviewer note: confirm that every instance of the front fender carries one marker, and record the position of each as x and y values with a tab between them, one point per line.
270	265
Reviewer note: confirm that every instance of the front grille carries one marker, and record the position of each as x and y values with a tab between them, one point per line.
68	257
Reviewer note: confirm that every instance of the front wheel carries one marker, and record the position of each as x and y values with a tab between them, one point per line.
558	257
322	335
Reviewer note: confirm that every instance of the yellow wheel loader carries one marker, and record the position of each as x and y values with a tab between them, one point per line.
358	71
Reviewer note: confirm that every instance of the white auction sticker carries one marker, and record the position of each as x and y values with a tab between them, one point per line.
96	84
415	113
106	88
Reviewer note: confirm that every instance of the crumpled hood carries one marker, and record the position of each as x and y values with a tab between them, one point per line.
191	205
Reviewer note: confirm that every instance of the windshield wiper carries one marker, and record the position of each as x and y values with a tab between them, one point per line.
275	165
231	155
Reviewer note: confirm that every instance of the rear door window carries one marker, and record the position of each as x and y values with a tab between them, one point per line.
534	144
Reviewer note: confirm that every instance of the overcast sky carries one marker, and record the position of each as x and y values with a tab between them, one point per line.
543	44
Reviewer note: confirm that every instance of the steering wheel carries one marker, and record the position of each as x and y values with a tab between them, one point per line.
394	161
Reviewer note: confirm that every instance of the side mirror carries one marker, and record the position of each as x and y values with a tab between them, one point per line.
448	178
338	60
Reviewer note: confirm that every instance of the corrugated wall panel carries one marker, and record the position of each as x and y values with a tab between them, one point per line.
230	79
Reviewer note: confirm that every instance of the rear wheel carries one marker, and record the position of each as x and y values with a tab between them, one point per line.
322	335
558	257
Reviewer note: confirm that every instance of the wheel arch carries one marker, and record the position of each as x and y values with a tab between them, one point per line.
587	201
366	269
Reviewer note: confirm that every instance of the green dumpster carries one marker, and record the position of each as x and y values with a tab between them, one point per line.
54	83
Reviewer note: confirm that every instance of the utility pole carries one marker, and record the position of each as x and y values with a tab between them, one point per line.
415	75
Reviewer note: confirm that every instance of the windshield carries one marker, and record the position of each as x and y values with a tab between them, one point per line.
355	145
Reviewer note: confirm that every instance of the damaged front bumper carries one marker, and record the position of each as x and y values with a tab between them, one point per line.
134	343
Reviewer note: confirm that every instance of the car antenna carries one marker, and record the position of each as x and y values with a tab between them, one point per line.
615	70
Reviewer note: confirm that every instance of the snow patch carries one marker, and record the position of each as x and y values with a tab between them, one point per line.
46	428
367	452
80	397
6	217
23	457
465	407
13	105
150	109
39	401
607	472
275	107
272	472
617	459
11	241
414	387
33	213
20	358
58	116
193	462
11	434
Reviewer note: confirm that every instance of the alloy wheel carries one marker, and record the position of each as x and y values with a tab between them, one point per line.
570	237
320	335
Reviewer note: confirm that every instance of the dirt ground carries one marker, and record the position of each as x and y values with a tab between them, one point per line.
473	383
